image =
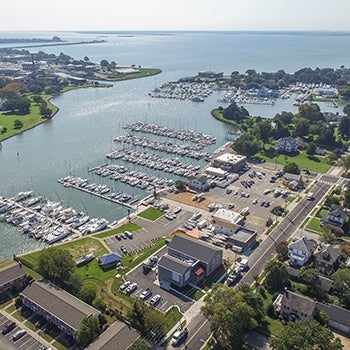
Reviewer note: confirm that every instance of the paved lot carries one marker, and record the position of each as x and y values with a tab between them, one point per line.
150	230
150	281
27	342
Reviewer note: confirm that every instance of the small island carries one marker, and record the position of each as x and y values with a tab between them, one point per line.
28	81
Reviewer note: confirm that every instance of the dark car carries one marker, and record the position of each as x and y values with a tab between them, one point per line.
118	237
8	327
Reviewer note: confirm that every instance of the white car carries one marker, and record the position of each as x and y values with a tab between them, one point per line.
178	336
155	300
145	294
255	201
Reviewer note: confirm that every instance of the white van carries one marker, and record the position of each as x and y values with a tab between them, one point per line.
128	234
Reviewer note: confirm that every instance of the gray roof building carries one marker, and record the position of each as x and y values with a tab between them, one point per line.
12	276
56	305
118	336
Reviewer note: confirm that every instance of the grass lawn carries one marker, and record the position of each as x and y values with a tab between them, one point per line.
314	225
152	214
143	72
322	212
304	161
6	263
77	248
126	227
173	317
11	308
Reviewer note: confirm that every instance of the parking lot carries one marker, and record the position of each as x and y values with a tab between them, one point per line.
254	191
150	280
27	342
150	230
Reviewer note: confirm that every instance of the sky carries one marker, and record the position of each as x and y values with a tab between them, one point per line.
31	15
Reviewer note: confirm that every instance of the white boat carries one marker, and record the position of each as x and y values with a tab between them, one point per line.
85	259
56	236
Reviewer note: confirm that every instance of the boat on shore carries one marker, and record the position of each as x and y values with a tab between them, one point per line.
84	259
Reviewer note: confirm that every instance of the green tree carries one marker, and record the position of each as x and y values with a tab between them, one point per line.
306	335
104	63
88	330
234	112
345	162
276	276
311	149
327	236
140	344
347	198
345	93
87	293
56	265
137	316
17	124
341	284
246	144
254	300
291	168
264	131
346	109
344	126
229	315
310	111
282	250
302	127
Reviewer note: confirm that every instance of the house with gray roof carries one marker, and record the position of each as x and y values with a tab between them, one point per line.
57	306
286	144
198	183
188	261
326	258
12	277
300	250
335	217
294	306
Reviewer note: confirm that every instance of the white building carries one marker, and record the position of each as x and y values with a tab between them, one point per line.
227	221
230	162
286	144
198	183
300	250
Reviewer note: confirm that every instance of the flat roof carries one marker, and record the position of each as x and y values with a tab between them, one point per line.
230	158
59	303
215	171
242	235
10	273
229	216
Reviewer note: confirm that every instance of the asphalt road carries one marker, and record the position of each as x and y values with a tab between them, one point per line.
199	328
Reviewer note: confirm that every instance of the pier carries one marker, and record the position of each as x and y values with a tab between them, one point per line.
100	195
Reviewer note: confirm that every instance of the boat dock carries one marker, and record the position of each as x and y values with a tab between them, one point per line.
100	195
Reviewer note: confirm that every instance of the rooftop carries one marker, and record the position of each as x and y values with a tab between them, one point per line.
230	158
10	273
229	216
62	305
193	248
298	302
173	264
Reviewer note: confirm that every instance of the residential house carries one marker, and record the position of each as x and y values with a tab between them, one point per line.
12	277
335	217
300	251
326	258
293	181
294	306
118	336
198	183
188	261
57	306
286	145
110	260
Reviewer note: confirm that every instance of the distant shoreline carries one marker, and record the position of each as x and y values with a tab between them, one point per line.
55	44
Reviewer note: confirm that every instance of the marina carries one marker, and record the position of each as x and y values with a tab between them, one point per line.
99	190
46	220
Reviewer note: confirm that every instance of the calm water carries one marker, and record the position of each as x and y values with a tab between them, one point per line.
81	133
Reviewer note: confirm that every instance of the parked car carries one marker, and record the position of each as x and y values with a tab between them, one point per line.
131	288
124	285
145	294
124	250
155	300
179	336
118	237
19	334
228	191
8	327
